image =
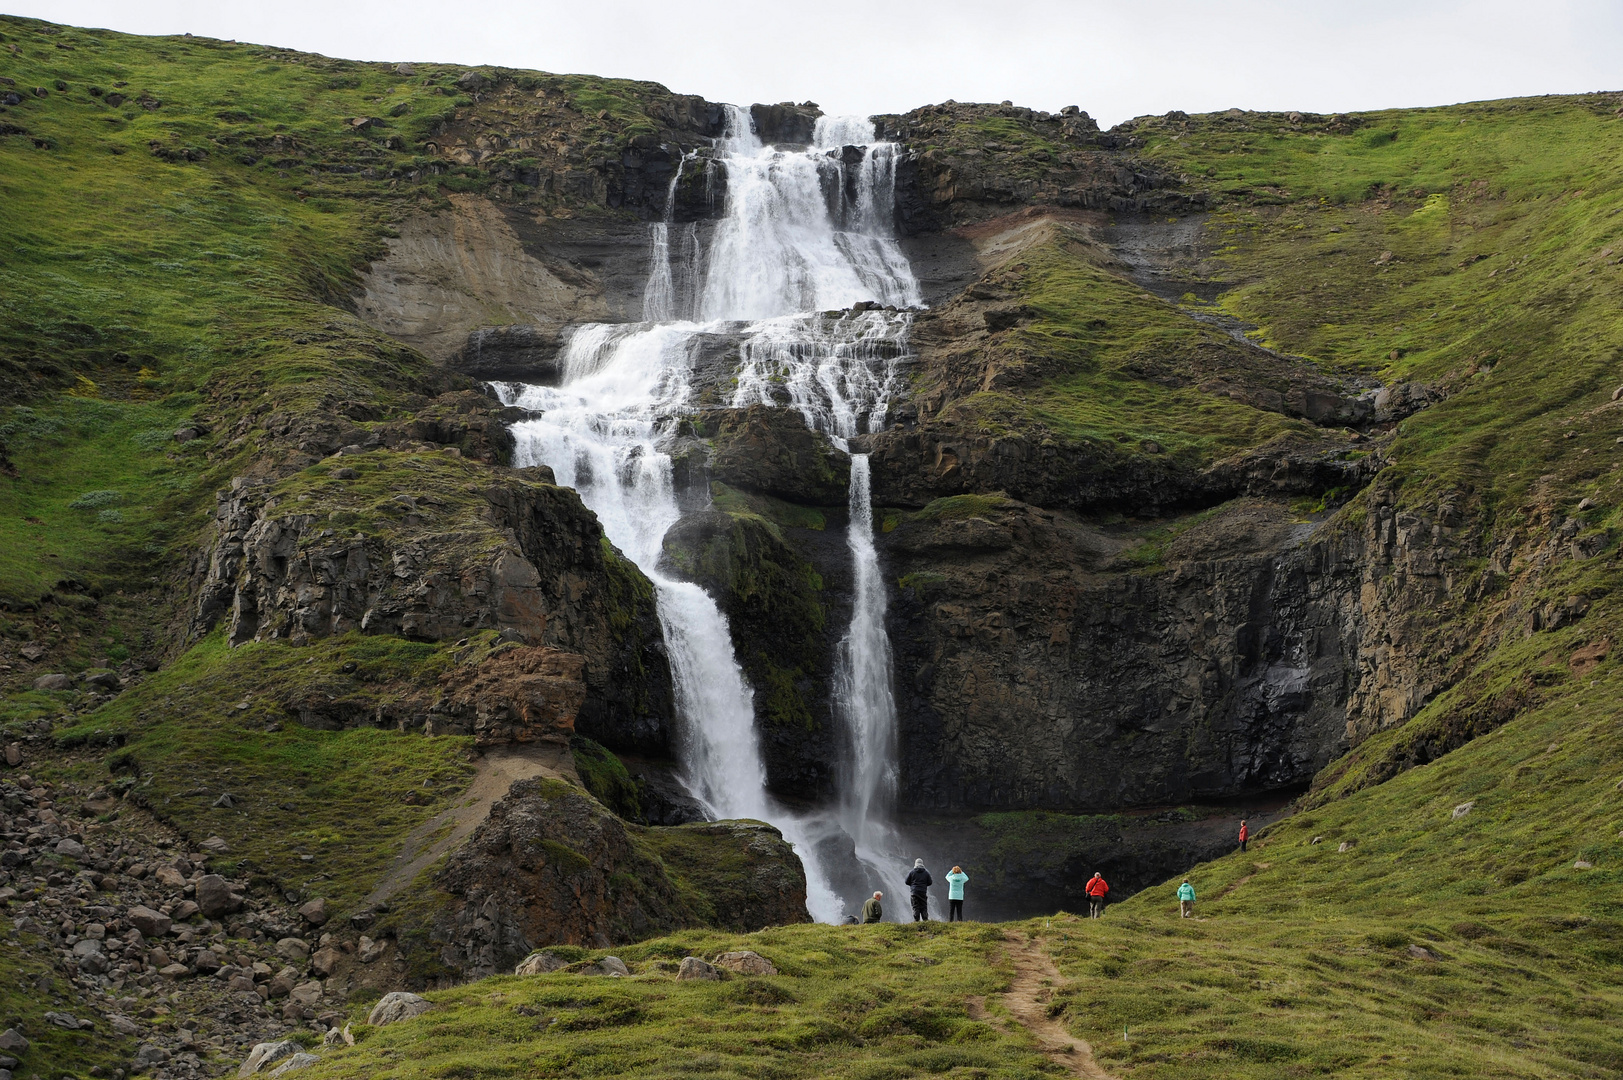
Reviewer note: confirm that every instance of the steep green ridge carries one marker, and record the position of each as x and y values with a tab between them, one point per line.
1480	246
182	221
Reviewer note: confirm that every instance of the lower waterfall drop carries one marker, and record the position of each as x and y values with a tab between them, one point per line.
863	690
600	433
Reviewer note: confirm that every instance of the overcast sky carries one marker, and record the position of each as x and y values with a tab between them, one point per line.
1116	60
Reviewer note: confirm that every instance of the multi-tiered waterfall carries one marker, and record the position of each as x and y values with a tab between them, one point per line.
805	235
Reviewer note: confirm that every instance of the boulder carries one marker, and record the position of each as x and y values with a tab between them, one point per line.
151	923
184	910
71	848
315	911
539	964
395	1007
694	968
324	961
294	949
280	986
609	965
215	845
12	1041
149	1056
370	950
54	682
746	963
215	896
267	1053
101	680
14	754
123	1025
297	1061
307	994
174	971
1463	808
169	877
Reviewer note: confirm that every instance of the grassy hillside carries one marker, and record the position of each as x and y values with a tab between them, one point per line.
1378	936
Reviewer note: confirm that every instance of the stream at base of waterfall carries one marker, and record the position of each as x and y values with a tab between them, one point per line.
805	235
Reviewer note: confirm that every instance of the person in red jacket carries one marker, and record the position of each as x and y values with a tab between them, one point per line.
1245	833
1096	890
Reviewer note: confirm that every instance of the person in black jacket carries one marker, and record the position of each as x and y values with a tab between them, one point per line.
919	880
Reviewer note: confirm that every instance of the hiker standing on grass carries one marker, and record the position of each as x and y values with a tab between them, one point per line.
872	911
1245	833
1097	889
1186	899
955	894
919	880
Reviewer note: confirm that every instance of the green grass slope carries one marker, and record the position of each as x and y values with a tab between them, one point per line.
1379	936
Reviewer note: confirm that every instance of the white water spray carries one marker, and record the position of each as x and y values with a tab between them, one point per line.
802	233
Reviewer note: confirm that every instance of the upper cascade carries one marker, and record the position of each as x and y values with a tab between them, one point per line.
802	230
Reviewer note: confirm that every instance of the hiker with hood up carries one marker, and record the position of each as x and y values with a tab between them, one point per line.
1186	899
919	880
872	911
1097	889
955	894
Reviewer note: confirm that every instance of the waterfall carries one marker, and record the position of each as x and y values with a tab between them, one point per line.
802	234
863	687
661	299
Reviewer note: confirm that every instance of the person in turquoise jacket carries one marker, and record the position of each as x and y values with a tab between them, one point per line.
1186	899
955	894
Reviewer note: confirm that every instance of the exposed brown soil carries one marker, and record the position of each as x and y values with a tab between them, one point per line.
1035	981
442	833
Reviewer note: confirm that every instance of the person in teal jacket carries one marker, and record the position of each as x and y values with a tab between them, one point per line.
1186	899
955	894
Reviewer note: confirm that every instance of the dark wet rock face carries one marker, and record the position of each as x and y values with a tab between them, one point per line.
1036	668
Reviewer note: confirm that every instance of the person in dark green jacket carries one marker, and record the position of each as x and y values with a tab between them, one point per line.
872	911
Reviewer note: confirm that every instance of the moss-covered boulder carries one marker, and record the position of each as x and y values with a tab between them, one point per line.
772	452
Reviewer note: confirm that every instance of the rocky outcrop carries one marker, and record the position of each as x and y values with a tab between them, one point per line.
958	174
405	547
911	467
519	695
550	866
785	124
